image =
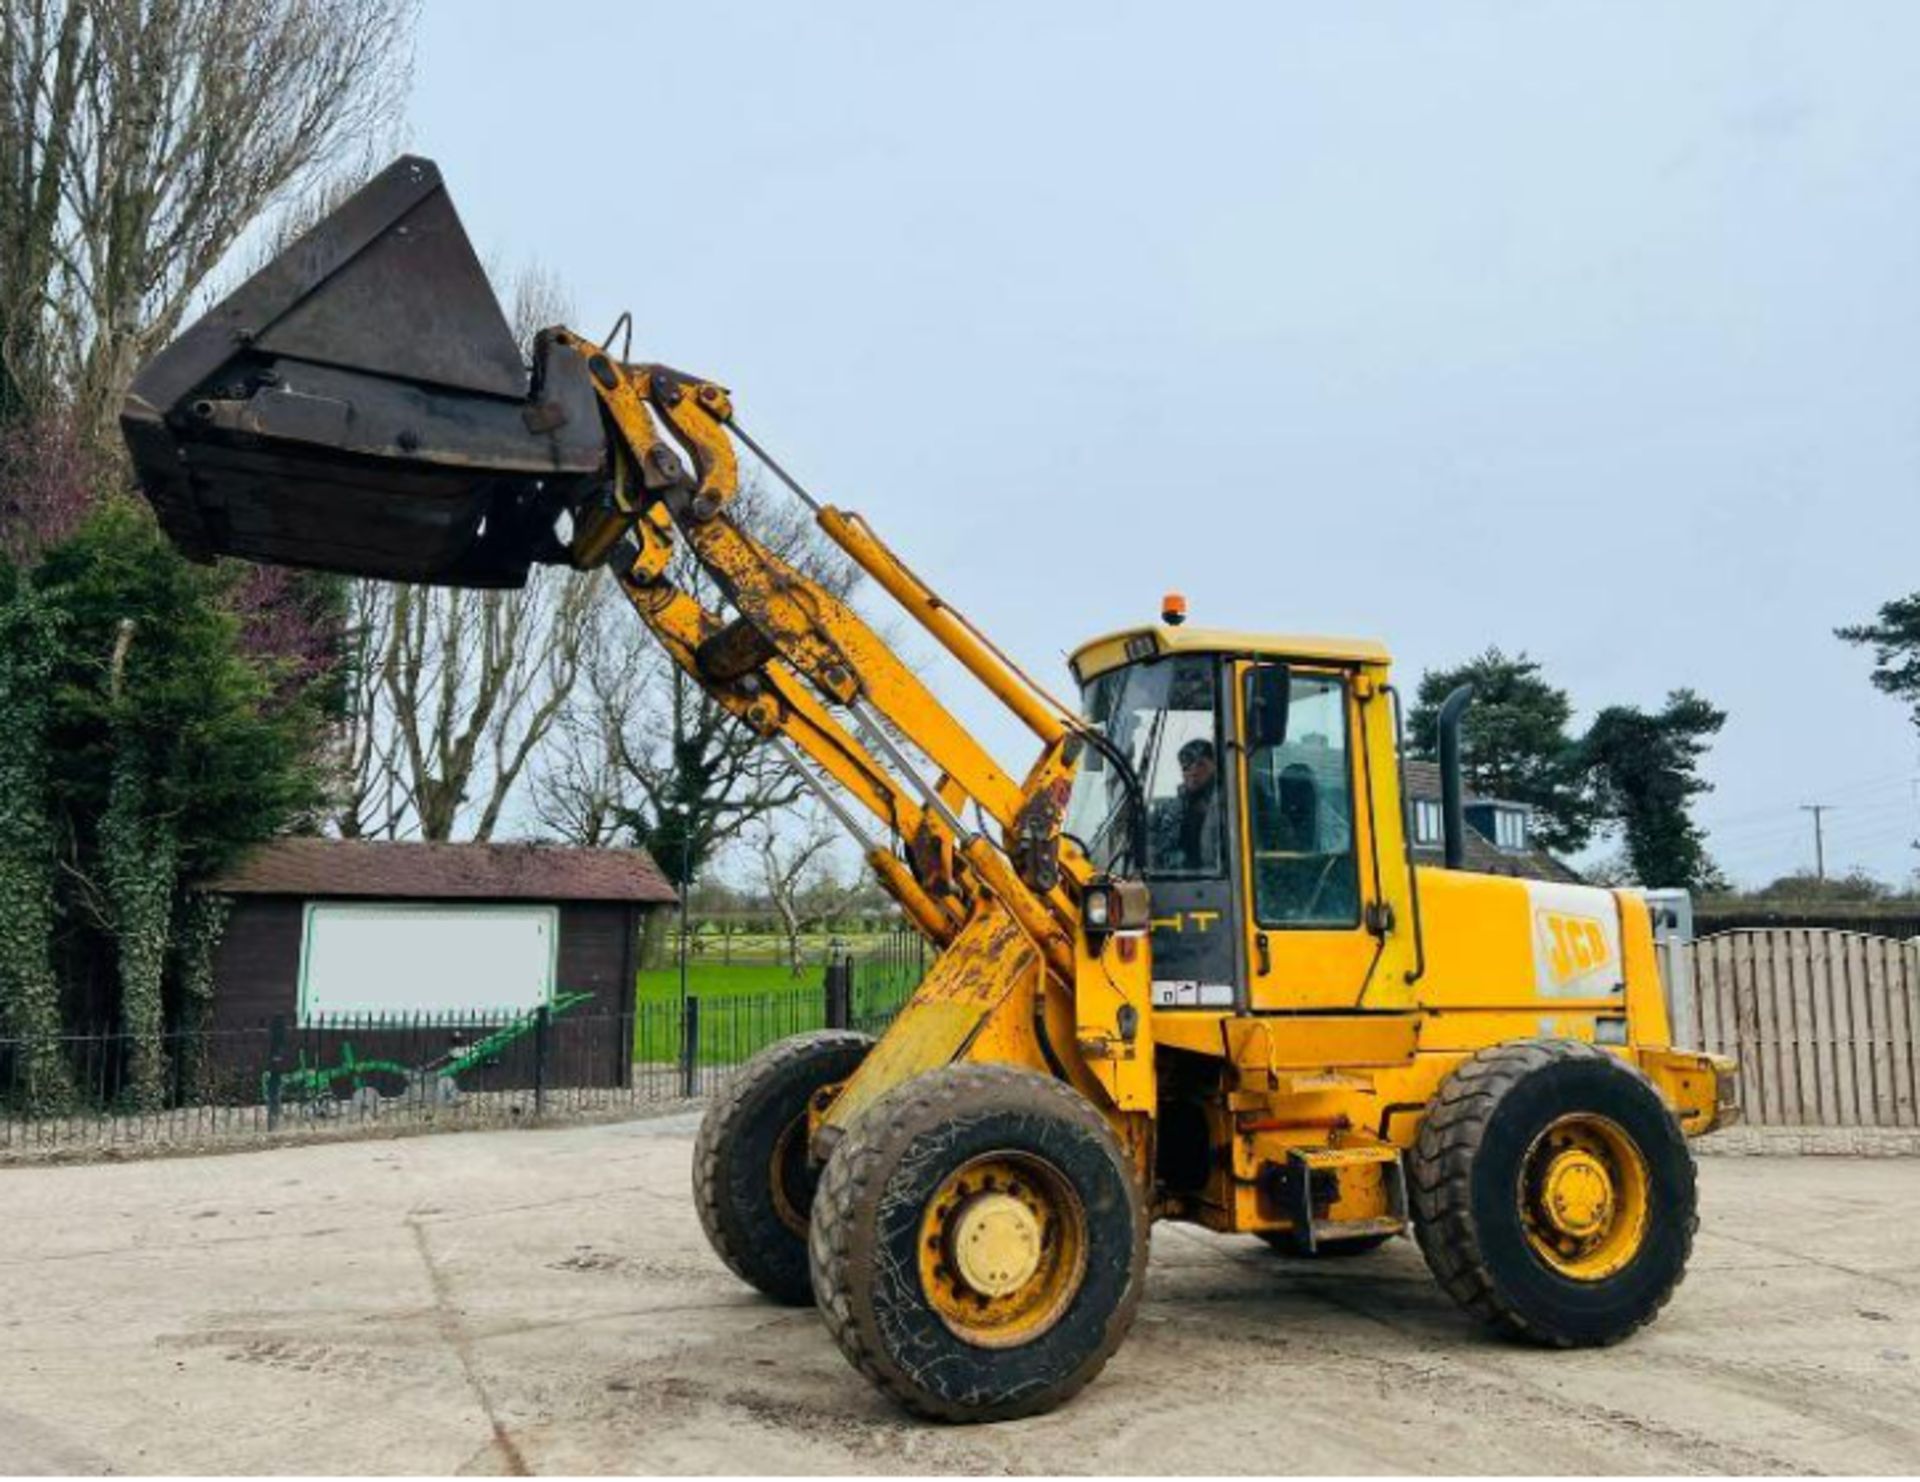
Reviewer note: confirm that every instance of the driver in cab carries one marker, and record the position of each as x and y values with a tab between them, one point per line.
1187	825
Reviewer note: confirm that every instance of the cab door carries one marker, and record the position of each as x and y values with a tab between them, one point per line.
1306	872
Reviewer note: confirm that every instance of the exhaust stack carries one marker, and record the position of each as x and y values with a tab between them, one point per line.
1453	818
360	405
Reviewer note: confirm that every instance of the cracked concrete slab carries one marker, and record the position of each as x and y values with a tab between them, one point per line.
544	1301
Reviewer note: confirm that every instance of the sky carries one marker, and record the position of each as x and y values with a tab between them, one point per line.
1587	331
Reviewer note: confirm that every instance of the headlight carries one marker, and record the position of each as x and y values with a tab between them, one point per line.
1110	904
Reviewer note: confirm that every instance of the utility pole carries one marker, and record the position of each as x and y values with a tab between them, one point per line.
1914	878
1819	839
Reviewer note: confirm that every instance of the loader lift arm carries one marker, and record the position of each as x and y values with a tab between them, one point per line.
796	659
795	649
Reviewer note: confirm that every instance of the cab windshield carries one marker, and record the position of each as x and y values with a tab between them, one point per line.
1163	717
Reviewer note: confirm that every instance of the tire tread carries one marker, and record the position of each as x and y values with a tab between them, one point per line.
731	1240
1441	1186
848	1182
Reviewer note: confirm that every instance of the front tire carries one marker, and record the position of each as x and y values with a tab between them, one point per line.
1553	1193
979	1243
753	1182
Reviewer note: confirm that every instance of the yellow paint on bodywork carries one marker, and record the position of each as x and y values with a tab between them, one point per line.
1270	1043
1110	985
1199	1031
1111	650
1478	935
1703	1090
1646	1003
1313	967
972	978
1372	962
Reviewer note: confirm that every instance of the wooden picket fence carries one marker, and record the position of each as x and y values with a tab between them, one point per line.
1825	1024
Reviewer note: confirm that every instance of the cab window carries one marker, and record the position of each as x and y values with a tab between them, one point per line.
1186	824
1163	717
1300	798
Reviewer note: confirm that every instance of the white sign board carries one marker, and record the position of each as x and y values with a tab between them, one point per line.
436	961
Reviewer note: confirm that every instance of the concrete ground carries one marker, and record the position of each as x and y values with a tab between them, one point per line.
544	1301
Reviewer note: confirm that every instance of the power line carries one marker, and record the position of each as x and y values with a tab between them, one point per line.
1884	782
1838	842
1861	817
1759	818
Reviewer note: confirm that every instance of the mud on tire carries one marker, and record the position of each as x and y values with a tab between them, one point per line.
1474	1177
892	1174
752	1182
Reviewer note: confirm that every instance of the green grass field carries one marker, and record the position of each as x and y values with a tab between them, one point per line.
713	980
743	1007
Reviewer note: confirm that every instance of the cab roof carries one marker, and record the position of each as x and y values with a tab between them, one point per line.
1111	650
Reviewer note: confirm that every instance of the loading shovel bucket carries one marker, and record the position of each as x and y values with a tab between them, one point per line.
360	405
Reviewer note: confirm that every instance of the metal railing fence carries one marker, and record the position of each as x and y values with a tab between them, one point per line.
100	1090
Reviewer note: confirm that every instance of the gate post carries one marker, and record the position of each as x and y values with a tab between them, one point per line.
541	1018
276	1067
690	1049
839	991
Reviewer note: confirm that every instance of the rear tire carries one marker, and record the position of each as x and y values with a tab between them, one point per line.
1553	1193
753	1182
979	1243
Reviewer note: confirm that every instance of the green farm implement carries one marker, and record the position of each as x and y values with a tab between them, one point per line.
352	1075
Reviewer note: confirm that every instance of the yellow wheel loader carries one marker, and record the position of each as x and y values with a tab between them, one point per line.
1186	967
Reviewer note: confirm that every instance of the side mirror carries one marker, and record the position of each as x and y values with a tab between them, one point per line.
1269	692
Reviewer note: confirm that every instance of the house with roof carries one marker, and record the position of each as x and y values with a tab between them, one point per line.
1499	838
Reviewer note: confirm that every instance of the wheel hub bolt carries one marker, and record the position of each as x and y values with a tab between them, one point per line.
1579	1193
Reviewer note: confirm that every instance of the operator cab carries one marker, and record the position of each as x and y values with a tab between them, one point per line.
1253	827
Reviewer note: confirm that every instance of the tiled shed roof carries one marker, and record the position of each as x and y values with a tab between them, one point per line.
383	869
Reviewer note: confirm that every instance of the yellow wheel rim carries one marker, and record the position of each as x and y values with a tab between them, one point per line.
1003	1249
786	1174
1584	1197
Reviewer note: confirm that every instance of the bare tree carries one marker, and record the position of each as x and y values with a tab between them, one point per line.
471	683
647	747
787	866
45	48
368	803
455	692
140	140
797	870
582	793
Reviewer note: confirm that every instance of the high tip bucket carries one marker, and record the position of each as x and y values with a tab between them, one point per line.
360	405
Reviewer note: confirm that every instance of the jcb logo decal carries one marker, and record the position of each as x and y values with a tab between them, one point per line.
1574	945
